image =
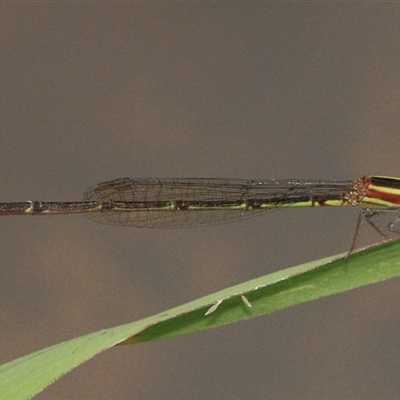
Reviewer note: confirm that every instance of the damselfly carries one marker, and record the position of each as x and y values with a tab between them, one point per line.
192	202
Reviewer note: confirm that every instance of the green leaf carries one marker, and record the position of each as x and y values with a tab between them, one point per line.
27	376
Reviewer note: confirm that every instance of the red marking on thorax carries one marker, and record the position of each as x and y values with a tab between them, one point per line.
375	193
389	197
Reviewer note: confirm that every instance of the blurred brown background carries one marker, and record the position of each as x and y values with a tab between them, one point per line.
96	91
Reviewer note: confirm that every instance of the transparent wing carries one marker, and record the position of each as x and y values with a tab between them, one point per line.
193	202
